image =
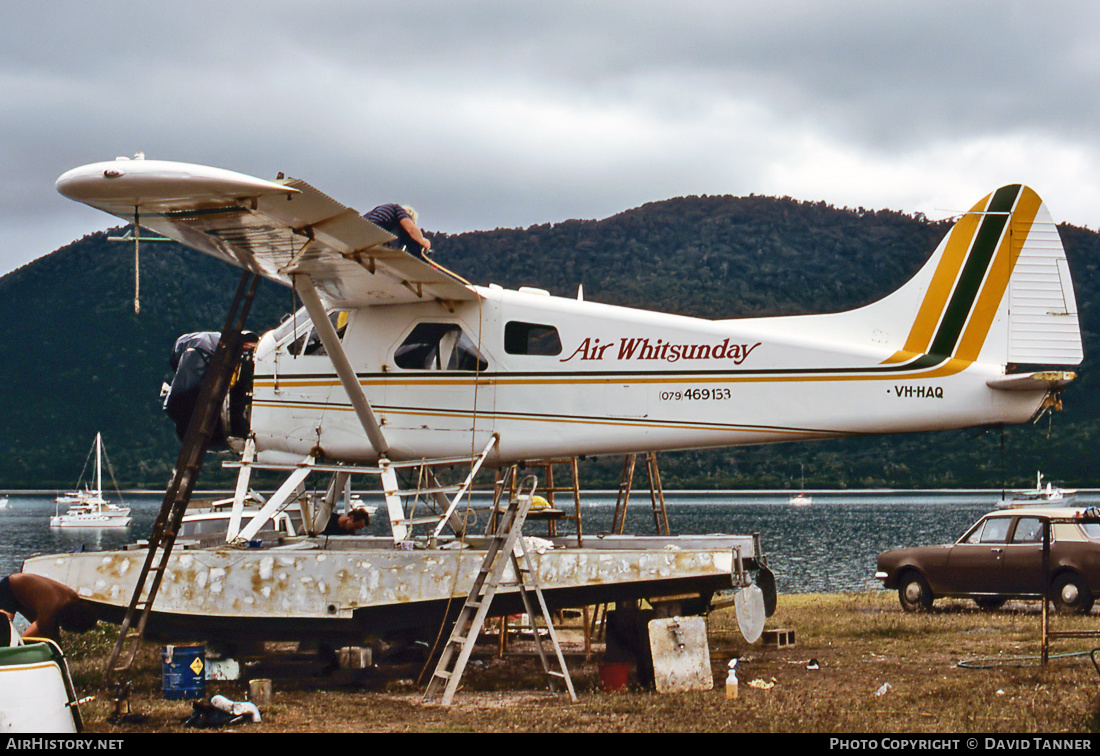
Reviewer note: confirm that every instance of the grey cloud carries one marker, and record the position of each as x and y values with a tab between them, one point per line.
500	113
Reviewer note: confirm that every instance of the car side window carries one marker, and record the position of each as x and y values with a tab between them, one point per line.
996	530
1028	530
975	533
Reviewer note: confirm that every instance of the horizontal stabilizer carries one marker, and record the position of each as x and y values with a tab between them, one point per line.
1050	379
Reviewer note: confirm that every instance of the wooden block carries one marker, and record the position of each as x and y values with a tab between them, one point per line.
780	637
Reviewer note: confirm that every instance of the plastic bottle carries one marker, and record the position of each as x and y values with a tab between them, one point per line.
731	680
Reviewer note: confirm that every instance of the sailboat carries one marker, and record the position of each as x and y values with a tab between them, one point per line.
88	507
801	499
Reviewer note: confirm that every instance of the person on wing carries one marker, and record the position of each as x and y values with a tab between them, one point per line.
401	221
47	604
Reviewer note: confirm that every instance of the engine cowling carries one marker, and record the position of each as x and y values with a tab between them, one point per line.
190	360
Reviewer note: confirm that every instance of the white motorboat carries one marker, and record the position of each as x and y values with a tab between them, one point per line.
1048	494
88	507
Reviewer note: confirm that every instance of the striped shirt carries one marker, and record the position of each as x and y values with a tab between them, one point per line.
389	217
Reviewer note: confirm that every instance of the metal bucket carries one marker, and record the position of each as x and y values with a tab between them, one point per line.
183	672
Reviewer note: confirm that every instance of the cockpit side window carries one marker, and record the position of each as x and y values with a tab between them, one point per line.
439	346
309	343
531	338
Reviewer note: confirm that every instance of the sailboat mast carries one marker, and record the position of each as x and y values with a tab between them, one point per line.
98	455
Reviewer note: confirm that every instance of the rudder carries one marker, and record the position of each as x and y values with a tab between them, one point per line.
1000	290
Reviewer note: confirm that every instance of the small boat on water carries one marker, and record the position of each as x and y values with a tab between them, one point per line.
801	499
1049	494
88	508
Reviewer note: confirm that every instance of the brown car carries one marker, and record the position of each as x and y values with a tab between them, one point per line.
1001	558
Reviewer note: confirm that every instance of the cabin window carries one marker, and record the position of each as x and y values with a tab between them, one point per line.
438	346
531	338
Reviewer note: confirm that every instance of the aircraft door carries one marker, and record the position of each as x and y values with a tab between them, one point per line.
439	385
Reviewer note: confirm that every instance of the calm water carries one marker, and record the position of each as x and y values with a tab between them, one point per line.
829	546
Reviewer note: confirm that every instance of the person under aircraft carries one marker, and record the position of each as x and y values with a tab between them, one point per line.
48	605
347	524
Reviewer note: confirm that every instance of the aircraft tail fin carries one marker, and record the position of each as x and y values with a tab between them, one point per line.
997	289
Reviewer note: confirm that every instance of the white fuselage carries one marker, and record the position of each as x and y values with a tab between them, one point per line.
623	380
443	366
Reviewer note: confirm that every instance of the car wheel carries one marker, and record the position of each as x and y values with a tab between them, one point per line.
914	593
990	603
1070	594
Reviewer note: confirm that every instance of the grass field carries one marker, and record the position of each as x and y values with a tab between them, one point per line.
878	670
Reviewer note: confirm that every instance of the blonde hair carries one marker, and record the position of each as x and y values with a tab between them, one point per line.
411	212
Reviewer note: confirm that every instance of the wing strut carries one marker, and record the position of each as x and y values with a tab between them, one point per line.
348	379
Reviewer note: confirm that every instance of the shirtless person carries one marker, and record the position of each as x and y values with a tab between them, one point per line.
48	605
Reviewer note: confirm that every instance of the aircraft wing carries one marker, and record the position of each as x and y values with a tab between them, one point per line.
275	228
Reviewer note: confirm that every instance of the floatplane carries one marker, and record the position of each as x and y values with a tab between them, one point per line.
395	363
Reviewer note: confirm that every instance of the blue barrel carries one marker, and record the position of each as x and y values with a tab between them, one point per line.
183	672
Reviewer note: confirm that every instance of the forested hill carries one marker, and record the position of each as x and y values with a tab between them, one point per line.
78	360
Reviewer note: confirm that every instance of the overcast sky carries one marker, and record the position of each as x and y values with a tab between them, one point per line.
506	114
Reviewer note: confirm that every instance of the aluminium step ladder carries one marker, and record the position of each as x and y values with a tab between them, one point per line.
501	551
196	442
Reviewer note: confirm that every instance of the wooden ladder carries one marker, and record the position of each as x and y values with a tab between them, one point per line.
656	494
196	442
502	549
618	520
508	479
